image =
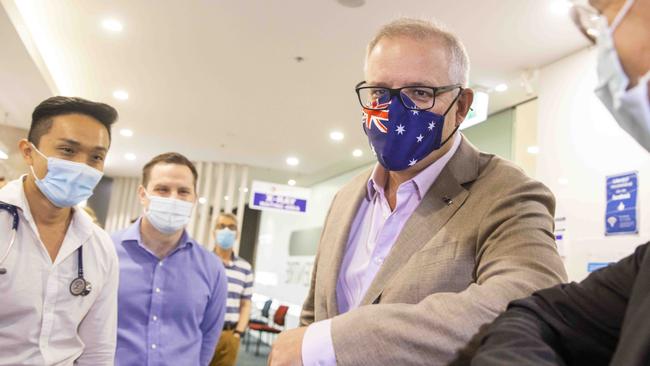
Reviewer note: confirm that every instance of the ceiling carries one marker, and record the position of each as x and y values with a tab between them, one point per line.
218	80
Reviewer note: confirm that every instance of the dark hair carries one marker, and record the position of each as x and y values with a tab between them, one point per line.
58	106
168	158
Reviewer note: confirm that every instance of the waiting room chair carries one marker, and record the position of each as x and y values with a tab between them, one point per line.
264	319
264	313
278	319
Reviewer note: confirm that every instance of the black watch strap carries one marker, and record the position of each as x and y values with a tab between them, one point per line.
238	332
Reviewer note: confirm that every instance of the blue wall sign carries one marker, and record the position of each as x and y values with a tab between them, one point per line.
283	203
277	197
621	216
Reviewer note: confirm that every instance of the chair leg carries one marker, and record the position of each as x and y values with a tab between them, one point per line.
248	338
257	350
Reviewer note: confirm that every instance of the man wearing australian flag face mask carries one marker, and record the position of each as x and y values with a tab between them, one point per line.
605	319
433	242
172	293
59	274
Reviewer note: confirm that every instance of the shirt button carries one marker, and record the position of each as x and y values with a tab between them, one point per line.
379	260
155	318
153	346
157	289
160	264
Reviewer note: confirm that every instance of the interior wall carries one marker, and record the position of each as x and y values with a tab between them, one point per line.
494	135
524	137
580	144
101	199
279	275
14	166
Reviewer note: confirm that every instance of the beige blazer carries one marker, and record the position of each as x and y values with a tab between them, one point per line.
453	268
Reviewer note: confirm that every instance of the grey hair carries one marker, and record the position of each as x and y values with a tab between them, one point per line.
418	29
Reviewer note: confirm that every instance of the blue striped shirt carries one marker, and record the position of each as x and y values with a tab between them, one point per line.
240	286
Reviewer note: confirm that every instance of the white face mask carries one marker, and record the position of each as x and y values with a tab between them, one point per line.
168	215
630	108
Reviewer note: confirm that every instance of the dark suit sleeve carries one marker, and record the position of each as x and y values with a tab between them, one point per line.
577	323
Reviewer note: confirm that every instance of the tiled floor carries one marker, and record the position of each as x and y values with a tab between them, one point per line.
249	358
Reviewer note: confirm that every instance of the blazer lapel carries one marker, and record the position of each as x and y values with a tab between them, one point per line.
439	204
340	224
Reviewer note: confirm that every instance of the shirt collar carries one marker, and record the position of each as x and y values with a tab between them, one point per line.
233	259
133	234
422	181
13	193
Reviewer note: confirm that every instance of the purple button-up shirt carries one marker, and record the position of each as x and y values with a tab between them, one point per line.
170	310
372	235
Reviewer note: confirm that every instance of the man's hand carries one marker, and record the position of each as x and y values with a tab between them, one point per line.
287	348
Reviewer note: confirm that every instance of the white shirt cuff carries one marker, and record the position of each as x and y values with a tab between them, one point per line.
317	347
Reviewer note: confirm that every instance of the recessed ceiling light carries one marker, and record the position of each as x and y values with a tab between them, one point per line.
561	7
291	182
203	200
126	132
357	153
533	150
112	25
121	95
243	189
3	155
226	198
292	161
336	135
352	3
129	156
501	87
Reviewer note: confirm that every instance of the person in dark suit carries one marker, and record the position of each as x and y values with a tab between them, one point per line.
604	319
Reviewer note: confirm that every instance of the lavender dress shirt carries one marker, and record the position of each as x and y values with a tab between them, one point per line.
372	235
170	311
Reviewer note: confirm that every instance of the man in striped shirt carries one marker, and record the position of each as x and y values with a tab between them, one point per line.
240	291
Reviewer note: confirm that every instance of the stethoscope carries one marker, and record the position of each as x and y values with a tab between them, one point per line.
78	287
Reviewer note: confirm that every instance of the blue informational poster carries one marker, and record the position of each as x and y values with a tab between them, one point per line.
282	203
278	197
621	216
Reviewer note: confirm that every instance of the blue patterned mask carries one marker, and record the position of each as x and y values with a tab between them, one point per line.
401	137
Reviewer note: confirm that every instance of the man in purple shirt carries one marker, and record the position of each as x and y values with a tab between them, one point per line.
433	242
172	293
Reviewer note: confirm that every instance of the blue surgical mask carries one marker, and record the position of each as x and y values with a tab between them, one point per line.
225	238
401	137
630	108
66	183
168	215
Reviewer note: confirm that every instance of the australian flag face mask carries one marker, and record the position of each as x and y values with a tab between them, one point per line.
401	137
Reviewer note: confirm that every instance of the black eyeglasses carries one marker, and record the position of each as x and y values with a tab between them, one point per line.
232	227
420	98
